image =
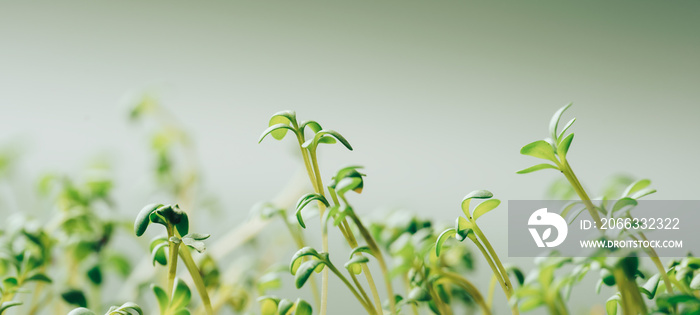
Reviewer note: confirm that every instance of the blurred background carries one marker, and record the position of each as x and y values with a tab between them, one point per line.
436	98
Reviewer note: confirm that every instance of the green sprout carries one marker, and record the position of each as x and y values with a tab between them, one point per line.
176	224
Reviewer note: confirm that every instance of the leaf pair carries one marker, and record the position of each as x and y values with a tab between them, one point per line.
285	121
463	227
557	145
169	216
302	270
175	304
271	305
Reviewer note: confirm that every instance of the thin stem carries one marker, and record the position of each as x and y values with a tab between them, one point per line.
368	307
324	232
496	260
492	289
496	273
380	259
360	289
172	260
407	285
573	180
469	287
197	278
299	239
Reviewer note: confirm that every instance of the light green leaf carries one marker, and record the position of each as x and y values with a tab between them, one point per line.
642	193
353	265
624	202
348	183
315	127
302	308
161	297
77	311
485	207
361	249
476	194
636	186
554	122
537	168
652	284
279	133
540	149
199	246
564	145
442	238
268	305
566	127
327	140
181	295
278	129
198	236
611	304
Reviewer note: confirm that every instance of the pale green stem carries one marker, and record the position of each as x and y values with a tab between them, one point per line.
197	278
469	287
368	307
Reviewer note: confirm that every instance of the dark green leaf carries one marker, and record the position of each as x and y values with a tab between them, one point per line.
305	270
302	308
304	201
5	305
75	297
39	277
158	254
296	259
142	219
95	275
284	307
651	285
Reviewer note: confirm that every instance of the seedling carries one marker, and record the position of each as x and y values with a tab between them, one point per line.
176	224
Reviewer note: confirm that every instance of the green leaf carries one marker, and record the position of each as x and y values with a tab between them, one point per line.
38	277
276	130
303	308
183	224
315	127
120	263
419	294
651	285
95	275
182	311
519	275
463	228
161	297
181	295
158	254
636	186
268	305
305	270
442	238
279	133
199	246
611	304
198	236
540	149
5	305
142	219
554	122
75	297
296	259
361	249
485	207
477	194
624	202
607	277
304	201
284	307
10	284
564	145
312	143
694	284
537	168
348	183
131	307
563	131
78	311
327	140
642	193
353	265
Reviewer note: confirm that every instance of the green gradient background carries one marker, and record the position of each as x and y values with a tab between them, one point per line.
437	97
